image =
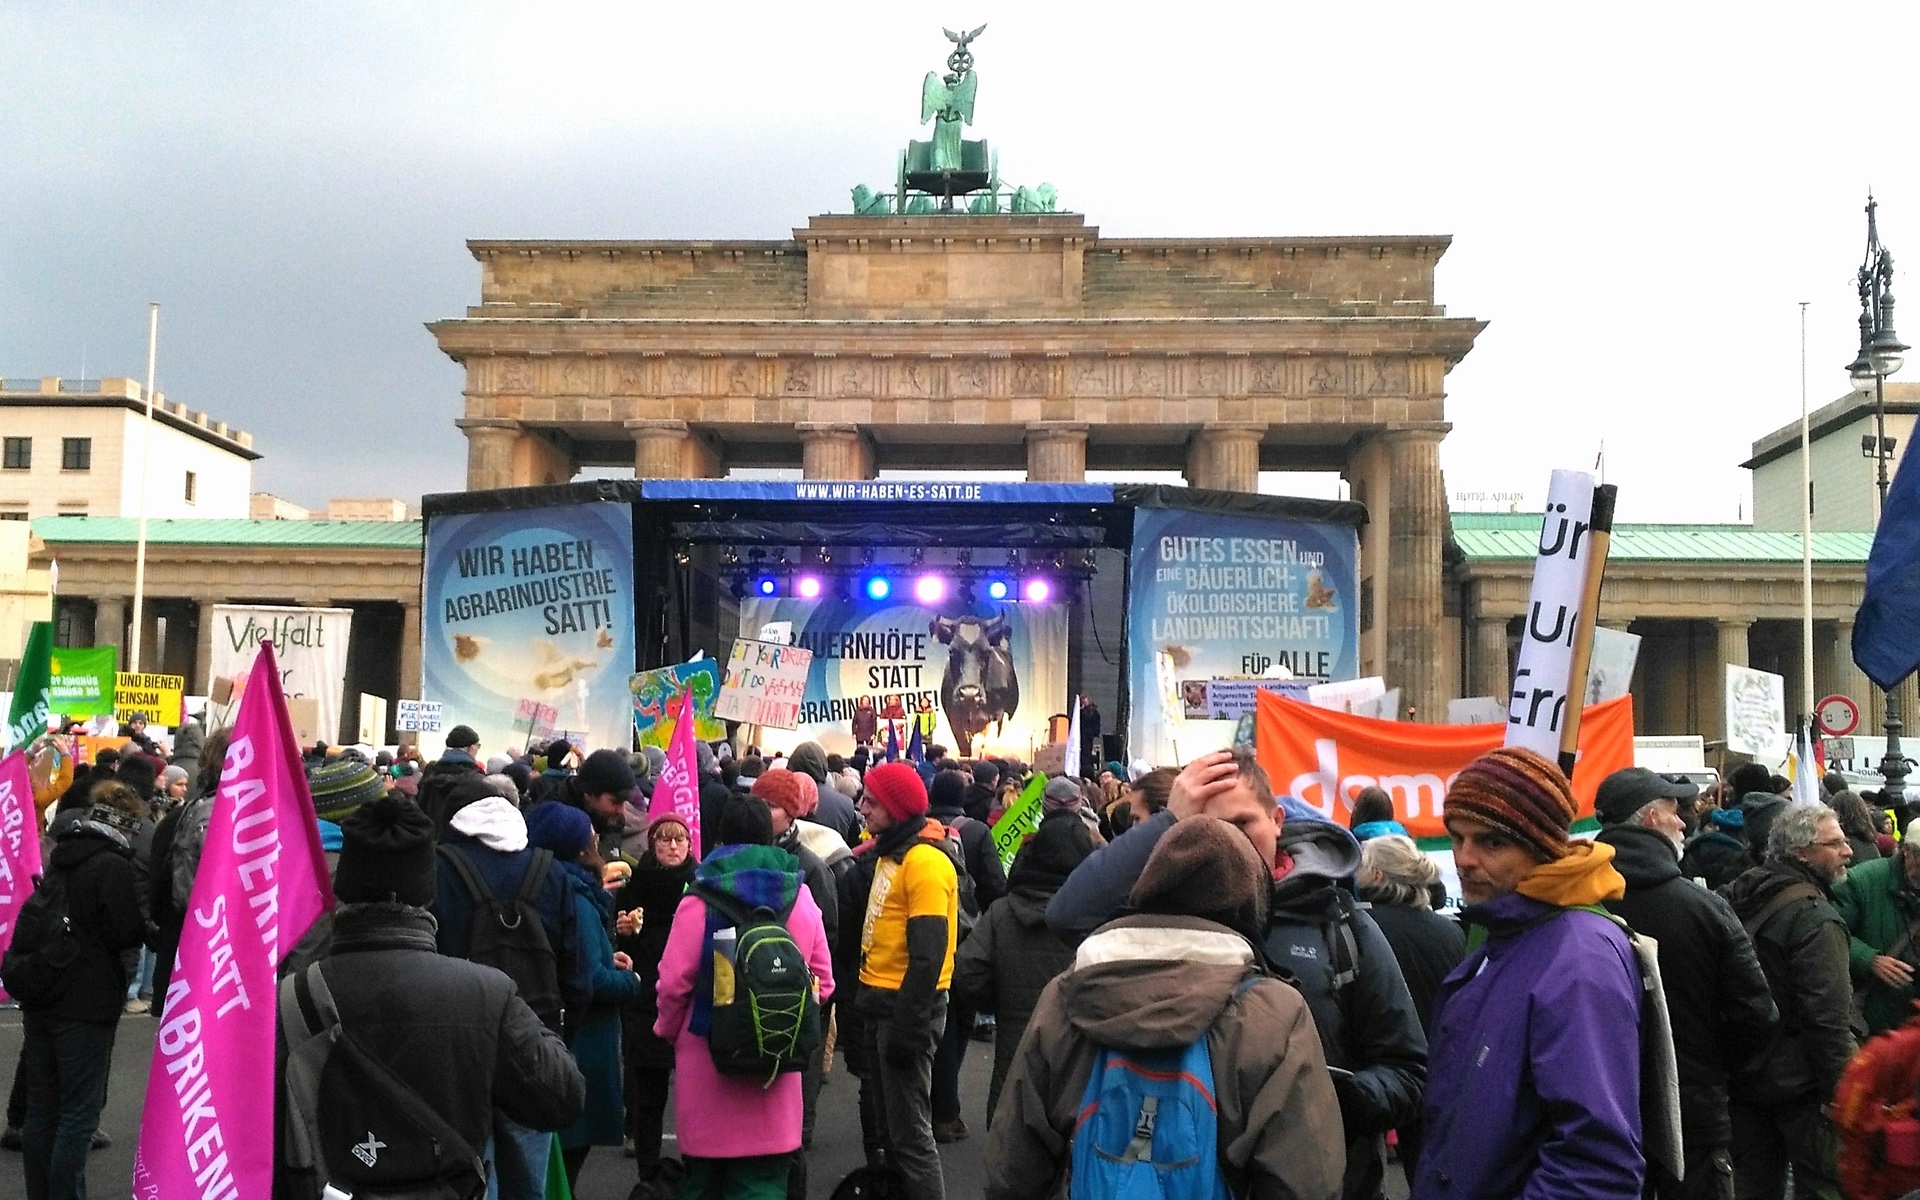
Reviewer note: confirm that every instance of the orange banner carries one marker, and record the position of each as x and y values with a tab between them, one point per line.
1324	758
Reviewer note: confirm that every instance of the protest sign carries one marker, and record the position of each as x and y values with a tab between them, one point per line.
1543	674
678	790
19	843
533	720
1757	713
82	681
1610	670
764	684
1347	695
1325	758
656	698
155	697
418	716
1021	818
1231	699
310	644
207	1129
27	715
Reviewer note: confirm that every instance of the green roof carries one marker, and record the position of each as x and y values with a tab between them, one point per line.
198	532
1485	536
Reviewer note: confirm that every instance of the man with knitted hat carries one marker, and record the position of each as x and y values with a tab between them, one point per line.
1533	1077
902	905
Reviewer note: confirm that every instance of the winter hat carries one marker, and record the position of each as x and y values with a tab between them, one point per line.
1204	867
809	794
897	788
605	773
462	737
948	792
1050	855
386	853
498	763
1062	795
1758	809
1749	777
341	786
986	773
781	789
745	821
521	774
656	760
137	772
1520	794
666	820
174	775
561	828
809	759
703	760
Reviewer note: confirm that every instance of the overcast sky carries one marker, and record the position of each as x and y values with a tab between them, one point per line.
1638	194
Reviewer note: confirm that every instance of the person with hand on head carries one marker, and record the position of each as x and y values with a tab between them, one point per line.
646	906
1880	902
1339	959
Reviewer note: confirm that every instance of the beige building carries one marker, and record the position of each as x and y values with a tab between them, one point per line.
73	448
1845	494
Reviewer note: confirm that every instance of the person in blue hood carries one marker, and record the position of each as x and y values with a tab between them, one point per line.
1317	937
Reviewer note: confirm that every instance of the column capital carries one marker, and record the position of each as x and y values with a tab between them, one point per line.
474	425
1258	428
1417	431
1733	623
656	425
825	429
1058	429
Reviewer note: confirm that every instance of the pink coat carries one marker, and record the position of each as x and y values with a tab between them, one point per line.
729	1116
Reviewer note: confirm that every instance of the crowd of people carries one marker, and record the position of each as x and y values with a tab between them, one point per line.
1184	977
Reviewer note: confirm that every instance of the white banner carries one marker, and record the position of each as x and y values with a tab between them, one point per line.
310	644
1757	714
1542	682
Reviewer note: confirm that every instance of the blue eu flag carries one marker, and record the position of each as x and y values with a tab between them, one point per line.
1886	634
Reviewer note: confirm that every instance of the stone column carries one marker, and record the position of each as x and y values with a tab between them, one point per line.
203	648
1730	650
1057	452
1226	455
490	442
110	623
1492	660
153	655
834	451
1416	538
660	449
409	651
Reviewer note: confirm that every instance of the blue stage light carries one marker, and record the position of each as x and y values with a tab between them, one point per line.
766	585
878	588
998	589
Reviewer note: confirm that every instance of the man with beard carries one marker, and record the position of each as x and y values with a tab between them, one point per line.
1880	902
1779	1102
1716	995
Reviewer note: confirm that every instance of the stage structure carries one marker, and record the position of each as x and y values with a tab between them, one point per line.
986	605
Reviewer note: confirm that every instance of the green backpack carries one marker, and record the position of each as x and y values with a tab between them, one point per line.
766	1007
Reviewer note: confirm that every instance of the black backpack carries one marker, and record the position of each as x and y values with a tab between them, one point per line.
766	1007
44	945
351	1124
511	938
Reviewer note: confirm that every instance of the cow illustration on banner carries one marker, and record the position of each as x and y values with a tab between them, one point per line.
1324	758
989	676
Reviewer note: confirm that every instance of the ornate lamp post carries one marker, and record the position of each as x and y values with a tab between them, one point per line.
1881	354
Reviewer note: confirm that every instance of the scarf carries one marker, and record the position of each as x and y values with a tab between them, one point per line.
750	877
1583	878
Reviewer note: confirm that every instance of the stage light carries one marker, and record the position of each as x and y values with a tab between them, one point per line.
929	589
878	588
1037	591
807	587
766	585
998	589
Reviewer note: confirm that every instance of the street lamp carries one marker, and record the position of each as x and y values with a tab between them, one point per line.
1881	354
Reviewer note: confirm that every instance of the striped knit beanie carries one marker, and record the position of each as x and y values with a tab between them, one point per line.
1520	794
342	785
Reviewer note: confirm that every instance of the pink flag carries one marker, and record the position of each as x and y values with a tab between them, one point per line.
19	843
208	1126
677	790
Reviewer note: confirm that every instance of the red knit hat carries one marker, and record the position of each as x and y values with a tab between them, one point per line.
898	788
780	788
1520	794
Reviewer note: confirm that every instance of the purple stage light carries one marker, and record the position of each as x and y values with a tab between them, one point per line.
929	589
807	587
1037	591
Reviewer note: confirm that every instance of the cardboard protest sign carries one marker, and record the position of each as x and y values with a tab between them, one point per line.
656	698
1325	758
418	716
83	680
156	697
764	684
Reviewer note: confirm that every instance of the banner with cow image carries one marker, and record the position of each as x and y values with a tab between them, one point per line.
991	673
1215	595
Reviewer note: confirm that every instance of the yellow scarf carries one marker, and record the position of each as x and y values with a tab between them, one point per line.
1584	876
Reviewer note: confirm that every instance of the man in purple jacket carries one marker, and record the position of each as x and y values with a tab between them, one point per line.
1533	1072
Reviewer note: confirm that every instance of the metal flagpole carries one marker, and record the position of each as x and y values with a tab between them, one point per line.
146	457
1806	530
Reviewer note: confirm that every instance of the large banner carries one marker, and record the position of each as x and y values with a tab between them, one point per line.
1227	597
83	680
310	644
1325	758
992	674
534	605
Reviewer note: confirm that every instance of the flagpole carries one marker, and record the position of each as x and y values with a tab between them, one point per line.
146	459
1806	531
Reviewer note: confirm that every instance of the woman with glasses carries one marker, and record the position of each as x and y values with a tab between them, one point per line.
643	917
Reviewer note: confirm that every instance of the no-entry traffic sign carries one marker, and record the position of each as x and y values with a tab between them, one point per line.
1838	716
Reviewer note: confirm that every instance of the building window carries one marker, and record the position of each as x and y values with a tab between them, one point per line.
16	515
193	487
76	454
19	454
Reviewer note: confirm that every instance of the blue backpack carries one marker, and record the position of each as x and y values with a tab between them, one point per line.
1148	1129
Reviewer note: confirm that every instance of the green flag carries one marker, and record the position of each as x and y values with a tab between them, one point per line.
83	681
28	718
1021	818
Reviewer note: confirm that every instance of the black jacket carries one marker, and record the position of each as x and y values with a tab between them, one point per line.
103	906
1803	952
1002	968
1717	996
456	1032
1426	945
819	880
1715	856
976	848
656	891
437	783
